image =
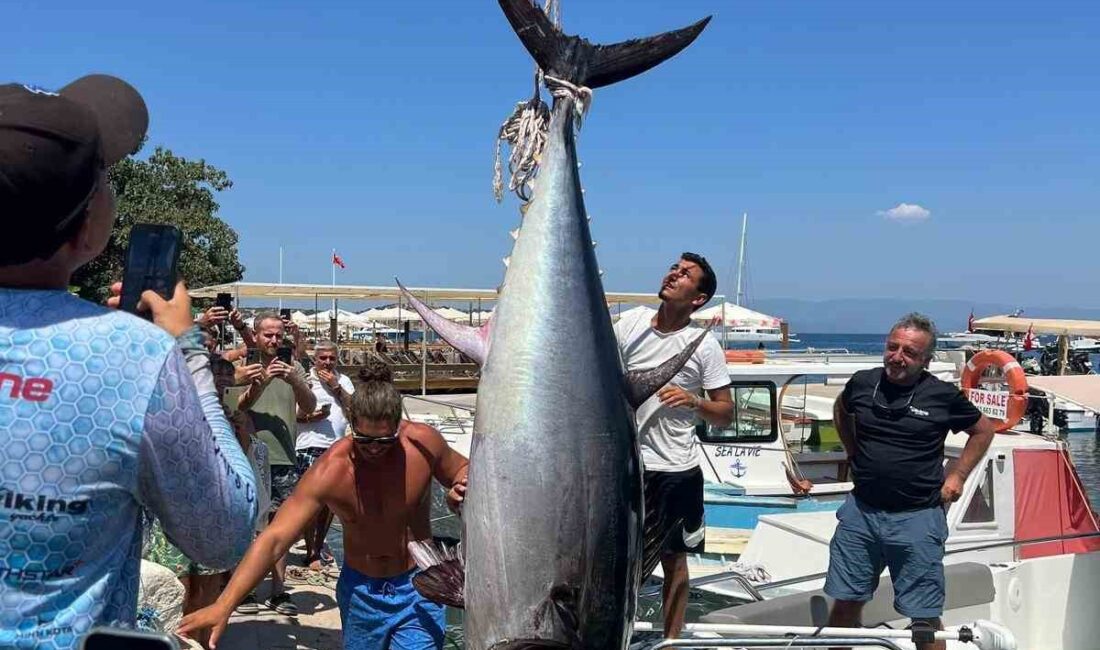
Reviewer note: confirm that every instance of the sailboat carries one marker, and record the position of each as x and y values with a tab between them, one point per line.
742	325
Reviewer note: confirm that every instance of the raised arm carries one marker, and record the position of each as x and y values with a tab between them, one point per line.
193	473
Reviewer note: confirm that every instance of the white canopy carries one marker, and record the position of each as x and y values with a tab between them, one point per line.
450	313
1082	390
392	314
1056	326
735	316
343	319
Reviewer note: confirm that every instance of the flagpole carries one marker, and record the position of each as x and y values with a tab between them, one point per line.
333	263
280	275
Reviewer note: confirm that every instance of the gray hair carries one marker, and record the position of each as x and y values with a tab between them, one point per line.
917	321
326	344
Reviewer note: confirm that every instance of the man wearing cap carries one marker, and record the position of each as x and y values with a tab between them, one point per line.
101	412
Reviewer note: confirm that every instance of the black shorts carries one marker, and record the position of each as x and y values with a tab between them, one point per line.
676	498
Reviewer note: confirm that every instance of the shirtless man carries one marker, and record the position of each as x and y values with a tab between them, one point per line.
377	482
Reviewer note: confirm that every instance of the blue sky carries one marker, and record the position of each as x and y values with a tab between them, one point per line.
369	127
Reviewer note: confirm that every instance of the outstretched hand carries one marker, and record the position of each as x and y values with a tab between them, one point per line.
213	617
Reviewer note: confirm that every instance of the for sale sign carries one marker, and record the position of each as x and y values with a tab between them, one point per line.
993	403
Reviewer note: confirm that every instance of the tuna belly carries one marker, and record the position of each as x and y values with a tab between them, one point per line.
552	540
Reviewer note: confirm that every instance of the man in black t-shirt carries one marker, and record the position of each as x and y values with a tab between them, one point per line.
893	422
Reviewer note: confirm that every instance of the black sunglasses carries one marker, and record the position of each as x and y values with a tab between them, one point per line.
885	410
361	439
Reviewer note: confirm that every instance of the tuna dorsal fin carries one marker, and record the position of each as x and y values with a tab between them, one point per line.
581	62
640	384
471	341
442	577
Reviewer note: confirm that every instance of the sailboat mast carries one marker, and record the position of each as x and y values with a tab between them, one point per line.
741	258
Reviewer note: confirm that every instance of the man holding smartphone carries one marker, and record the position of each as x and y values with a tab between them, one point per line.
103	413
274	399
316	433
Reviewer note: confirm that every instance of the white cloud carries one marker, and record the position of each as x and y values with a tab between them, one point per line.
906	213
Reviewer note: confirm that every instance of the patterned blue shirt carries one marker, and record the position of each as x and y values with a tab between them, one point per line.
102	413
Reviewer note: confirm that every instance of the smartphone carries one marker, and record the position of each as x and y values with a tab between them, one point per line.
284	314
252	357
105	638
225	301
285	354
152	262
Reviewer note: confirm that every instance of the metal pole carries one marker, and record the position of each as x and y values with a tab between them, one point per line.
280	275
424	351
741	256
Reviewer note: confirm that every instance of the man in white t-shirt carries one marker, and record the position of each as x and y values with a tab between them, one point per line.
666	421
316	433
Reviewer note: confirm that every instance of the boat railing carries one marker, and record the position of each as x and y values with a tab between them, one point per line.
467	411
803	351
741	635
777	642
787	582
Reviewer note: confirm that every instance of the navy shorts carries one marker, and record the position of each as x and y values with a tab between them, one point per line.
910	543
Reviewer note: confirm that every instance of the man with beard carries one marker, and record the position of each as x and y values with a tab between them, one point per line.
893	422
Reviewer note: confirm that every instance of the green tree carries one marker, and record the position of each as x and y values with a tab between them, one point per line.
168	189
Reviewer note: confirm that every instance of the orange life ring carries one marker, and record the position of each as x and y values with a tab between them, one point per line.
1014	376
744	356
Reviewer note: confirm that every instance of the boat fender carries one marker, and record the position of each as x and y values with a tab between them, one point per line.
988	635
1014	377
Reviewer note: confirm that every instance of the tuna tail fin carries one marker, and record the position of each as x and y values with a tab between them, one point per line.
471	341
583	63
638	385
442	577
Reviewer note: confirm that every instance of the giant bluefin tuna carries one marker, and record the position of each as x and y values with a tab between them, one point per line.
553	536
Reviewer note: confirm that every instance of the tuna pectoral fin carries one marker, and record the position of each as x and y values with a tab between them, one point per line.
442	577
640	384
471	341
581	62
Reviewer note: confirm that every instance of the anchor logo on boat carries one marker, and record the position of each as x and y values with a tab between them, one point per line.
738	468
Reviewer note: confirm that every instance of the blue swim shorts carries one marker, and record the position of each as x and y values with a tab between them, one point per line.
910	543
387	613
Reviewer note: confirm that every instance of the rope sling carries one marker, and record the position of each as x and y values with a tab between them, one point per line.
526	129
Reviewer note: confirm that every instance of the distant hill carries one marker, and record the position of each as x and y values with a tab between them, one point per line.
876	315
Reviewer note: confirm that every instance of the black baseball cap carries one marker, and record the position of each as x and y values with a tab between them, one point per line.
53	146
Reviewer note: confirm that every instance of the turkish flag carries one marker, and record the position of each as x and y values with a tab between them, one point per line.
1028	337
337	261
